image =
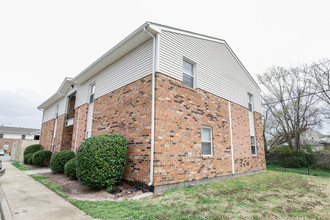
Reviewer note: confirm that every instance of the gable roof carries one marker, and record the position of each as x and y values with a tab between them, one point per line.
128	44
61	92
19	130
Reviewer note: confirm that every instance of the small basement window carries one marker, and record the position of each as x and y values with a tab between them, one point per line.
36	137
23	136
254	149
188	74
206	141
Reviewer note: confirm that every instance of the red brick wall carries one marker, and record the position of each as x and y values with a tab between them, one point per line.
127	111
180	114
63	137
8	141
244	161
47	131
81	118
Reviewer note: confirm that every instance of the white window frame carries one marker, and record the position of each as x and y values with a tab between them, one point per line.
255	145
207	141
91	92
193	75
250	102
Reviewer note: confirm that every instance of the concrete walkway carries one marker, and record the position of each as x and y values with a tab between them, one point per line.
22	197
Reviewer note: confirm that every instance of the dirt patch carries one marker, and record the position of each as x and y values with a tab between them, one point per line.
75	190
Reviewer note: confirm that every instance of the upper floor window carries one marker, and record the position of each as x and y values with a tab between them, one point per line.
56	111
254	149
188	74
250	102
1	135
206	141
23	136
91	94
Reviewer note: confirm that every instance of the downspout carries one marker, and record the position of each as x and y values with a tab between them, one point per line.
231	140
152	110
76	135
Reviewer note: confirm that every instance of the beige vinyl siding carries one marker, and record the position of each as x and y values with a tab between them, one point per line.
133	66
217	70
49	113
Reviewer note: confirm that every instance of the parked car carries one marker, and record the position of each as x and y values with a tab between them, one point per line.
2	171
2	152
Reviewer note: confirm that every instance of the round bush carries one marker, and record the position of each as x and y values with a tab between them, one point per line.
59	159
30	160
101	160
40	157
70	169
32	149
26	158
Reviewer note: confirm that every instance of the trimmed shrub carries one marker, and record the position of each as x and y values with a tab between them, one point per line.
32	149
41	157
59	159
286	157
70	169
30	160
101	160
26	158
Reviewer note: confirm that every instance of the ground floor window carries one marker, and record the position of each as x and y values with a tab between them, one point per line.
254	149
206	141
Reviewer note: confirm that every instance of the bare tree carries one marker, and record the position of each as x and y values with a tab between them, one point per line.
320	75
291	103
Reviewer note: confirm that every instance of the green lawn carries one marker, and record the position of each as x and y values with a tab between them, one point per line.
46	181
268	195
20	167
304	170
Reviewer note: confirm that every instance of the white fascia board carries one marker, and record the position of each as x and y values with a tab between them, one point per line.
159	28
98	65
61	92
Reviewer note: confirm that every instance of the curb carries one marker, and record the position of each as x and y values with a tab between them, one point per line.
5	212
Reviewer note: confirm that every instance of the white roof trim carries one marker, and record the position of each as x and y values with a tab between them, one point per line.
154	28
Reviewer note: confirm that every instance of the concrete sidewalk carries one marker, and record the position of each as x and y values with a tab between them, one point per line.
22	197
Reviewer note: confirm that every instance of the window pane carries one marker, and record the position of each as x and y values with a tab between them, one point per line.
250	107
187	68
206	134
92	89
253	143
188	80
253	149
250	98
91	99
206	148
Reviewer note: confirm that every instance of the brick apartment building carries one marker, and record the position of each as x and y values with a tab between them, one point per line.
189	109
9	135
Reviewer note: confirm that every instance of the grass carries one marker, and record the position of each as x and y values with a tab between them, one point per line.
46	181
268	195
20	167
304	170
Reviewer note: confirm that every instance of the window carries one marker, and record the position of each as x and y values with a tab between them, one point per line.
254	149
23	136
56	111
92	92
88	134
188	74
206	141
250	102
1	135
36	137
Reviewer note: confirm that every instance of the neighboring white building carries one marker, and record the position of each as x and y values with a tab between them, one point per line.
10	135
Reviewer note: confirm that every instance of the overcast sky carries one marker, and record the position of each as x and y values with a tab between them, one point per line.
41	42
